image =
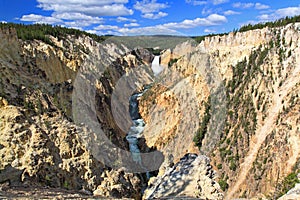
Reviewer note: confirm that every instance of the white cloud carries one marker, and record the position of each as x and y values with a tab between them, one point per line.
248	22
242	5
209	31
196	2
75	20
131	24
260	6
124	19
289	11
280	13
106	27
84	3
206	11
213	19
77	16
151	30
149	6
78	19
87	7
231	12
154	15
168	28
217	2
265	17
202	2
40	19
77	24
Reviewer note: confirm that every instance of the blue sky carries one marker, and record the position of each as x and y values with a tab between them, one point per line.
144	17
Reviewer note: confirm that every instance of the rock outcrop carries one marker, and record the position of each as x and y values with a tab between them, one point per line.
191	177
292	194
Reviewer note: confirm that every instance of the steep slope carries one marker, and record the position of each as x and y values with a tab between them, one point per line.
243	105
40	144
235	96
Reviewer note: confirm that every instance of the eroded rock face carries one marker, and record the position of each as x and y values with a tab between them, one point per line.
191	177
119	184
255	145
40	145
45	151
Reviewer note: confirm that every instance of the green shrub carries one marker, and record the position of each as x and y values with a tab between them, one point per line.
219	166
288	183
223	184
200	134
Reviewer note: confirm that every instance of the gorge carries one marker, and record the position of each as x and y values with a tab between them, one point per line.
219	121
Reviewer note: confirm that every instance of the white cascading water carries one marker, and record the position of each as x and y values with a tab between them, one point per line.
136	130
156	67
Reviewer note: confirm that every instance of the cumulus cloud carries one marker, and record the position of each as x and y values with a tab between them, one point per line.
40	19
209	31
260	6
78	19
77	16
87	7
46	3
154	15
149	6
242	5
167	28
206	11
74	20
217	2
78	13
196	2
151	30
131	25
105	10
289	11
231	12
150	9
280	13
106	27
201	2
213	19
124	19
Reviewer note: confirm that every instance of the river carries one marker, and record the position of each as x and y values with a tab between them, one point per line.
136	130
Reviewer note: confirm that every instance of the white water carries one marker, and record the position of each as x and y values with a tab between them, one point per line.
156	67
136	130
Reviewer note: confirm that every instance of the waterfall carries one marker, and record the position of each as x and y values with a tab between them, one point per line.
156	67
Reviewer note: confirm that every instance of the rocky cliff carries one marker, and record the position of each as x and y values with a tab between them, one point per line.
239	95
233	98
40	143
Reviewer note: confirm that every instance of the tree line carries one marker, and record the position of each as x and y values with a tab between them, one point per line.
277	23
42	32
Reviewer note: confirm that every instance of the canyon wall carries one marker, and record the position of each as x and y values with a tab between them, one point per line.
40	143
241	100
233	98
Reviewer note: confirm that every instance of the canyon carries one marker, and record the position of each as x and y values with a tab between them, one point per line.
217	119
